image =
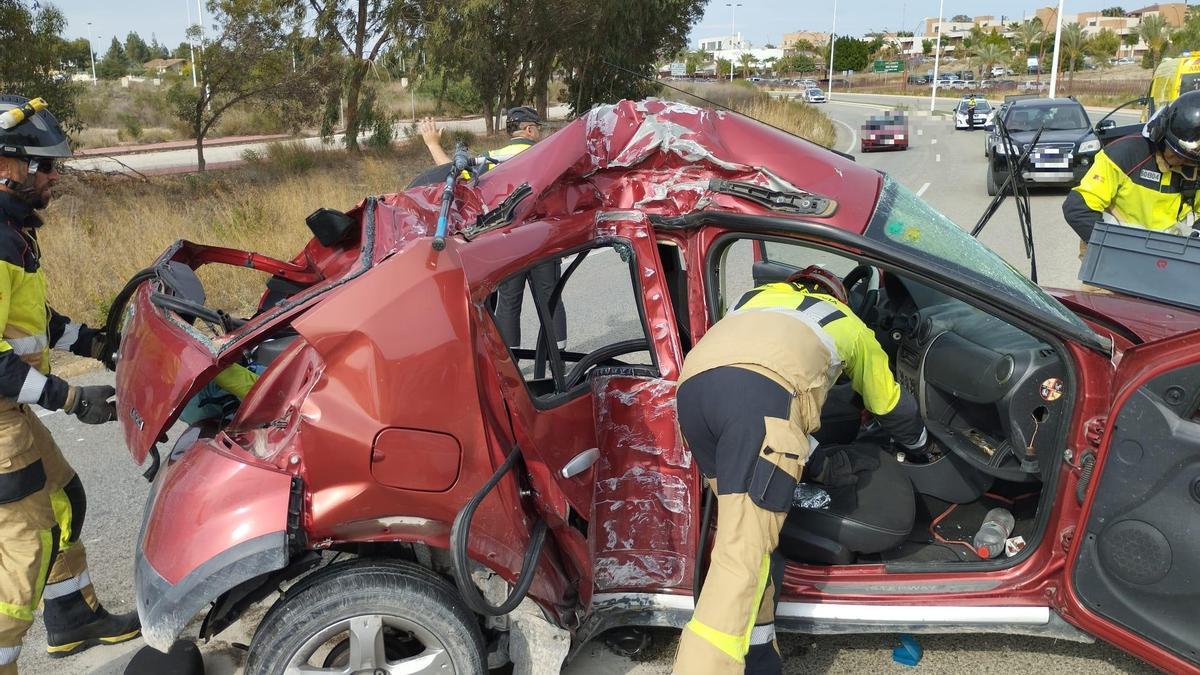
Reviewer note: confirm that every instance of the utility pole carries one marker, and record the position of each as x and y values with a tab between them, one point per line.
92	53
191	43
832	39
937	56
732	31
1057	40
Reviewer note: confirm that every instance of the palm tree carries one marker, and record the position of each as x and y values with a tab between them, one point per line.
988	55
1030	36
744	60
1074	42
1155	32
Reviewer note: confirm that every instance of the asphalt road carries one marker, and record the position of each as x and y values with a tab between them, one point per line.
944	166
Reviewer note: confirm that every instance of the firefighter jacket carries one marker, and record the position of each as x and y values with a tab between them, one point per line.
30	326
1129	185
853	349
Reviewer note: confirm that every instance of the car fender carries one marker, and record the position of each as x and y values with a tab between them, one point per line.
212	521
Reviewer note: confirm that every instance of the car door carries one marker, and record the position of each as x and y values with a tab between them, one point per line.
1109	129
1134	577
593	412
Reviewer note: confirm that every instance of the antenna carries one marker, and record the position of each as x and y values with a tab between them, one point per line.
722	107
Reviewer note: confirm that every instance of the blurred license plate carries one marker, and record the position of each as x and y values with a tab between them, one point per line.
889	141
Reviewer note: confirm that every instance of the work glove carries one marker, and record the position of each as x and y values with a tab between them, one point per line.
91	404
90	343
840	466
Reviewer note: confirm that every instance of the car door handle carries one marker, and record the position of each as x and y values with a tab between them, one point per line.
580	463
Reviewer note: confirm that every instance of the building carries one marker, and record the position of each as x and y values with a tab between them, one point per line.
1175	13
812	37
734	47
723	43
162	66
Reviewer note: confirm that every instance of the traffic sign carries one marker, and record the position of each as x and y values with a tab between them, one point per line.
678	69
889	66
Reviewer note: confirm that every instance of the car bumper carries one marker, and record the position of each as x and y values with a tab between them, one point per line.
885	143
211	523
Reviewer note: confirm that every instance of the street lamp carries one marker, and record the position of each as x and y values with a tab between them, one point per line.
1057	40
732	29
832	38
92	53
191	43
937	55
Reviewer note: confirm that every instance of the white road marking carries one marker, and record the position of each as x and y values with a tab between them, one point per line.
920	132
922	189
46	413
933	142
853	135
937	158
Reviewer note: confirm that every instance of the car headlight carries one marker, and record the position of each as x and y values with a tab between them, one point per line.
1091	145
998	149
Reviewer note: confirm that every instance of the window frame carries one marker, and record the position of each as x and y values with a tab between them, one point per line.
557	398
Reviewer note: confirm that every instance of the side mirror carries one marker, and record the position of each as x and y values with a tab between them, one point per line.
1105	125
989	127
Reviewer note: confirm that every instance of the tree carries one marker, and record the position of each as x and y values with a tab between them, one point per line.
850	54
1074	44
988	55
694	59
960	18
1031	38
76	55
745	60
360	29
926	47
1112	11
115	63
1103	46
137	51
31	35
1187	38
245	58
1155	32
724	66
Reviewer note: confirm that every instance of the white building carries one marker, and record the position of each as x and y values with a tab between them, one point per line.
732	47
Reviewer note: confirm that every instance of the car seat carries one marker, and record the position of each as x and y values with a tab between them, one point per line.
874	515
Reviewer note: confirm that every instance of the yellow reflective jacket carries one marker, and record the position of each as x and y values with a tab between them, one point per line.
863	360
1128	185
515	146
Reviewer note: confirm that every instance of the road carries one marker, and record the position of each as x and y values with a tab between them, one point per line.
944	166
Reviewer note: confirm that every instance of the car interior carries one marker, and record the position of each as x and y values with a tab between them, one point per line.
991	397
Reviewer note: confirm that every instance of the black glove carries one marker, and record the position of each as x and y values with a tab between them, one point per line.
91	404
840	465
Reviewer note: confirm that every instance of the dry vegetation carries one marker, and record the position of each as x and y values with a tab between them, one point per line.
795	117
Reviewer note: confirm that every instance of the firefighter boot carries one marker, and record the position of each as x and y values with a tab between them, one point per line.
99	628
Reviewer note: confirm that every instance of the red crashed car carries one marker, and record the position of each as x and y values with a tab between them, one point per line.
888	131
396	442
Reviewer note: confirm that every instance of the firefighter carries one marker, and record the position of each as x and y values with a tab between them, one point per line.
1145	180
42	501
524	125
750	393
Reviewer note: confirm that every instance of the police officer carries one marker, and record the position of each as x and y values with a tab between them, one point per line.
42	501
524	126
750	393
971	112
1145	180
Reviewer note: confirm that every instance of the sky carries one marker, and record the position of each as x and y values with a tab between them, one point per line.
760	21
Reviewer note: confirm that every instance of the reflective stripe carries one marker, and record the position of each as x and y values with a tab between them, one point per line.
29	344
9	655
33	386
920	441
58	590
730	644
764	575
19	612
763	634
69	337
61	504
835	359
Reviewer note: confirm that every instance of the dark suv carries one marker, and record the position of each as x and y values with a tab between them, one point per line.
1064	151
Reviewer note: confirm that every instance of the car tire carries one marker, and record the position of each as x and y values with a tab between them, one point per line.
992	186
420	615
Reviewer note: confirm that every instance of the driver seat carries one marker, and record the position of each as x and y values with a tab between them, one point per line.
874	515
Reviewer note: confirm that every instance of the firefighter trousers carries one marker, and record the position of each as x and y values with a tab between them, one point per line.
749	436
42	508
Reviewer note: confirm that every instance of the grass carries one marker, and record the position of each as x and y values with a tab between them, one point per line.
799	118
100	230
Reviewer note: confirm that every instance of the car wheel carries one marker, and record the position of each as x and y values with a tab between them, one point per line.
368	616
992	187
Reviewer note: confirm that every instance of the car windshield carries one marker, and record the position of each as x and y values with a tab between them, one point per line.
903	221
814	91
1055	117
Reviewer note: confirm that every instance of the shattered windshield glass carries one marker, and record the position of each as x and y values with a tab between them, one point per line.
902	220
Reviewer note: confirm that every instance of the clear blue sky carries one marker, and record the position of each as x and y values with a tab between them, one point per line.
761	21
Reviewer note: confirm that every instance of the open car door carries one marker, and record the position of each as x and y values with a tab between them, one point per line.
1108	129
1134	579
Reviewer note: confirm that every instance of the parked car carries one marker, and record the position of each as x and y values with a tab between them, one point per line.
965	119
971	84
1034	85
918	79
1064	152
397	451
814	95
955	84
888	131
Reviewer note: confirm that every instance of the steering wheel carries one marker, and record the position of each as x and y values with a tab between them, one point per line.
863	274
605	353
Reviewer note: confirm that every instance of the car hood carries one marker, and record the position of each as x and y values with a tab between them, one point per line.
1138	319
1048	136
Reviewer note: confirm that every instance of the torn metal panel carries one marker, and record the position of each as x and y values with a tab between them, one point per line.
643	515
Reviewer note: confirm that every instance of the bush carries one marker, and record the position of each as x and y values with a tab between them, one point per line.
131	128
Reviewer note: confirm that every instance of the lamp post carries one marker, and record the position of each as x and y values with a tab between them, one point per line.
732	30
1057	40
191	43
92	53
937	56
832	40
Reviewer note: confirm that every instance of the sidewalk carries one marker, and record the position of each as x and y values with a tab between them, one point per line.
178	145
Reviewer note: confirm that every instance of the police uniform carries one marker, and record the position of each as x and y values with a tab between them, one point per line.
750	395
1130	185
